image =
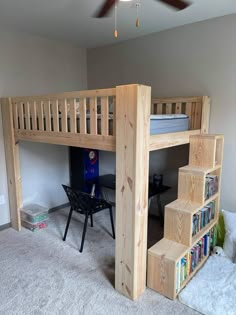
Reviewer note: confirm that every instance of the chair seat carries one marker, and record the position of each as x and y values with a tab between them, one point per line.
87	205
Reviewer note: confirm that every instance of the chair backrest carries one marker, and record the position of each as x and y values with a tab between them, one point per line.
79	200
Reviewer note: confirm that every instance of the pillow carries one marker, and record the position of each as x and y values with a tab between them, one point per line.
230	235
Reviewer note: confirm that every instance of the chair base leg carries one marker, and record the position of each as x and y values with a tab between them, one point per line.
91	220
84	232
112	223
67	224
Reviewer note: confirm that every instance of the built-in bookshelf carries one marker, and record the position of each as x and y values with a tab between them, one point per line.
189	229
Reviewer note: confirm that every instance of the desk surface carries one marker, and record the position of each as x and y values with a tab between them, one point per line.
109	181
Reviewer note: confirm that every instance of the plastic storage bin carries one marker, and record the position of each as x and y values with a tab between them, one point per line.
34	213
34	226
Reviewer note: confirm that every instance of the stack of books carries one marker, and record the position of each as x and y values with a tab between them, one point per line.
211	186
203	217
187	264
34	217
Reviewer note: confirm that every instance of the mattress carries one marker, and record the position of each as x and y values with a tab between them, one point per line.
168	123
159	124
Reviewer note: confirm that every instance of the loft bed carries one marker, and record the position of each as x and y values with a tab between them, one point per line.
116	119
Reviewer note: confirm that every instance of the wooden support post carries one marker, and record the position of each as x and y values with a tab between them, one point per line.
132	165
12	163
205	114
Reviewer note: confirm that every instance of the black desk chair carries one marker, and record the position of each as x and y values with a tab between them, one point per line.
87	205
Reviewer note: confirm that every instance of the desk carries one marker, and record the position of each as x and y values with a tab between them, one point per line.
108	181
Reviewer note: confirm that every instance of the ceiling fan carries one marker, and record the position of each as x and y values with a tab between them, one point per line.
109	4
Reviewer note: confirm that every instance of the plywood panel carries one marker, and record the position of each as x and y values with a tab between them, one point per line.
161	275
178	225
191	185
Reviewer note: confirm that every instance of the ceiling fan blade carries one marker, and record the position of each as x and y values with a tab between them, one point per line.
177	4
105	8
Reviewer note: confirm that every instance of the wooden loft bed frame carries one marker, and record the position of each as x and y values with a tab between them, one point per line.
53	119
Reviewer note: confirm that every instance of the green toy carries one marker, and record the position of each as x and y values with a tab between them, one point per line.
220	231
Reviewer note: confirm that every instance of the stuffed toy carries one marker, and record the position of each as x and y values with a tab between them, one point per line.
218	251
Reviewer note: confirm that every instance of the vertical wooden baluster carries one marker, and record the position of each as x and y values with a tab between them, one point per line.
39	108
168	108
33	115
64	125
55	116
93	116
82	116
188	112
47	113
178	109
105	116
21	115
27	116
159	109
73	116
193	115
114	116
198	116
15	116
152	111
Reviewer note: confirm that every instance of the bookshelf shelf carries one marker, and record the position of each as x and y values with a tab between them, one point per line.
199	266
204	230
187	215
212	198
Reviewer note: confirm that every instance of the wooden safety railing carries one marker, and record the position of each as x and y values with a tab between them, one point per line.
191	106
86	112
88	118
85	118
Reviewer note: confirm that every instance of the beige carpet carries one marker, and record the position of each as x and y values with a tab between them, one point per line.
40	274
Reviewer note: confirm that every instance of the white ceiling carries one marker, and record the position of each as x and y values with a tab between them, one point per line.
72	20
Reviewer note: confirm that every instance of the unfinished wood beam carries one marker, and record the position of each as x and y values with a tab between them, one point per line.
205	114
12	163
132	165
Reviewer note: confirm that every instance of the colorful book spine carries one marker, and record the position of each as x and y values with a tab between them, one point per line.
203	217
211	185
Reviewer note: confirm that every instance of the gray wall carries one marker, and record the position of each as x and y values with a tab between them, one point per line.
197	59
32	65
